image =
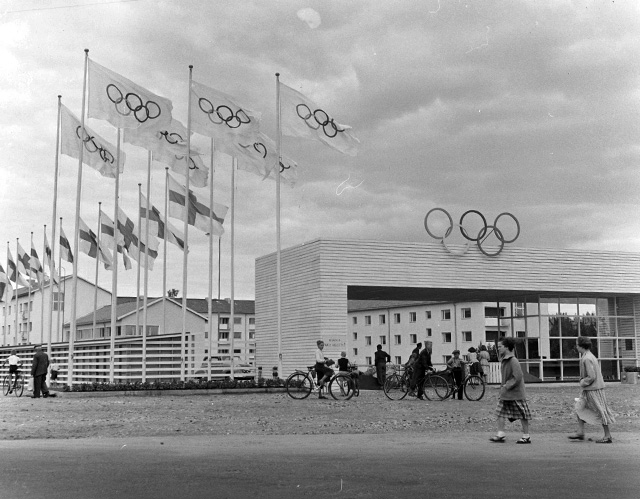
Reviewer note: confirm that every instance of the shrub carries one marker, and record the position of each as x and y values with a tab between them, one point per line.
191	384
632	369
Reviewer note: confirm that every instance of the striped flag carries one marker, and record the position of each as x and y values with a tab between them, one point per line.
157	225
48	260
106	235
198	213
133	245
36	270
24	261
65	247
124	104
88	243
302	118
14	274
5	285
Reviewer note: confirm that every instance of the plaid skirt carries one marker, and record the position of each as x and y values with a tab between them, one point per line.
513	410
596	405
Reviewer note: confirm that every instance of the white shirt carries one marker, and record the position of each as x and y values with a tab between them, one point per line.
319	356
13	360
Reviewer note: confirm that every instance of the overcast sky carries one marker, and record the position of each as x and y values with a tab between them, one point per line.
526	107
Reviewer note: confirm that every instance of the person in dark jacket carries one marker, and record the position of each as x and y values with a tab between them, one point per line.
39	366
420	367
380	359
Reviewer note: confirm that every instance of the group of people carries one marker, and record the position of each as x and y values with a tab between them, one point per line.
39	371
512	405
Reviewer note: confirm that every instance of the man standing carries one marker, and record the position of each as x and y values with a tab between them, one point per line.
420	367
39	366
381	359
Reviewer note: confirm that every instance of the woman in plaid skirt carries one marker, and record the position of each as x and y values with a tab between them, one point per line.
512	403
595	408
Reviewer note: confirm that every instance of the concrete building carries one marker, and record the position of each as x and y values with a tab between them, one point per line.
546	297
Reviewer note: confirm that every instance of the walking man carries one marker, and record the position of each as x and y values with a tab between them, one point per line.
381	359
420	367
39	366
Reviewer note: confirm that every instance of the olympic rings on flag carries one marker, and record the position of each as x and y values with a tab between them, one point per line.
259	147
191	162
321	118
172	137
224	114
92	147
133	104
483	234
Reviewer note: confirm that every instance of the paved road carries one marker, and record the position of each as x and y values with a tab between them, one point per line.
456	465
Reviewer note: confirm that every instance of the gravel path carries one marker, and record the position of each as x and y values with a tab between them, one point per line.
277	414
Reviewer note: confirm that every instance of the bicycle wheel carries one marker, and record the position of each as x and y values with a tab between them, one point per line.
6	383
436	388
474	388
395	387
19	388
299	386
341	387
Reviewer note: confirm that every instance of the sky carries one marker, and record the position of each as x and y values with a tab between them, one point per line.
525	107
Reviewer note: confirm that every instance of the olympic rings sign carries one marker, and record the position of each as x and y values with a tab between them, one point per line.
223	114
133	104
321	119
92	146
483	234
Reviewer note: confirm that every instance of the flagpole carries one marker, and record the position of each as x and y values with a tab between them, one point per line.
15	341
53	228
114	276
74	285
186	235
139	263
44	250
164	245
146	270
278	247
29	294
210	289
6	305
65	286
232	237
95	288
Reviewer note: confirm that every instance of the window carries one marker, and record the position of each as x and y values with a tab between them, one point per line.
493	312
223	350
355	352
237	350
492	336
237	335
428	314
396	318
628	344
518	309
58	301
382	319
398	339
383	340
367	340
398	359
466	313
467	336
252	321
223	336
446	337
224	322
355	320
446	314
153	330
413	338
367	320
252	335
355	336
428	331
237	320
520	334
368	360
412	316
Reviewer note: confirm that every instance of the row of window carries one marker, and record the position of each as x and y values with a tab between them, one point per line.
445	315
467	337
237	335
224	321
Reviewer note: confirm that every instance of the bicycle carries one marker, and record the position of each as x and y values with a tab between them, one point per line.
300	384
18	384
473	386
398	386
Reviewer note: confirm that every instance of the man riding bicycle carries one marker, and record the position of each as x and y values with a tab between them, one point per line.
420	367
323	372
14	368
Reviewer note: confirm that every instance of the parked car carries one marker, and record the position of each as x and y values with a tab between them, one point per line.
221	368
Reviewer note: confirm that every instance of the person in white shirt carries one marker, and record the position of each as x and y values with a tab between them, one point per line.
322	370
14	367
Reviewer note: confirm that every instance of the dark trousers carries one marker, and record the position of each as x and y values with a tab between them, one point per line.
417	379
40	384
381	373
458	376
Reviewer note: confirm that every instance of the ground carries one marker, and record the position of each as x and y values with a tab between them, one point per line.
71	416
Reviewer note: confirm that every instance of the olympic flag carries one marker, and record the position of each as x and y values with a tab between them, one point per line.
157	225
198	213
218	115
169	146
124	104
302	118
259	156
98	153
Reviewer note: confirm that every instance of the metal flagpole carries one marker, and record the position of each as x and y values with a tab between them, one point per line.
164	245
232	304
7	303
114	276
29	294
278	248
74	286
44	256
186	237
146	271
15	341
139	263
95	288
53	230
58	300
210	289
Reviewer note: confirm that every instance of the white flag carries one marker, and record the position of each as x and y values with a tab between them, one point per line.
98	153
198	213
157	225
260	157
302	118
169	146
121	102
216	114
